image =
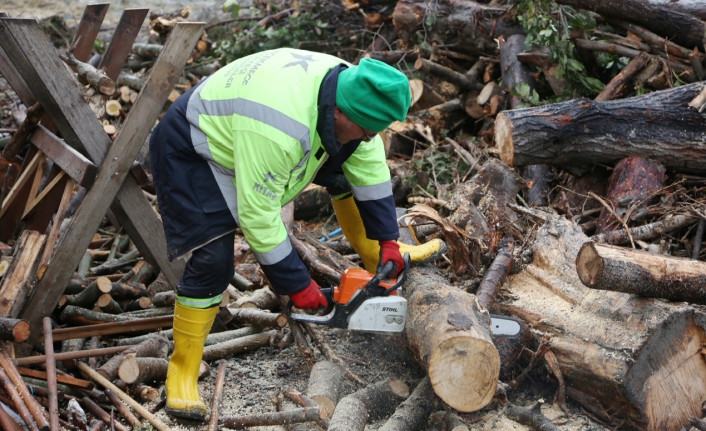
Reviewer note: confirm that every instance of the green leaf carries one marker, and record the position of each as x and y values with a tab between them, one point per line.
546	32
575	65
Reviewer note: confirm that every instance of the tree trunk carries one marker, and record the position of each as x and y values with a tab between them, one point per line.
691	7
14	330
513	72
325	384
449	333
641	273
617	352
658	125
633	180
683	28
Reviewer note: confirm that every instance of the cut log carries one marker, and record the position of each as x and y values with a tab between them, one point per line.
513	72
253	316
89	75
68	346
156	346
164	299
641	273
617	352
494	276
124	290
107	304
262	298
449	333
537	178
15	330
683	28
373	402
532	417
412	414
648	231
423	96
325	384
692	7
632	182
430	68
304	414
658	125
138	370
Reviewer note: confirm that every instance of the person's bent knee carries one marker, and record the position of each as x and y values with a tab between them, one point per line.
209	270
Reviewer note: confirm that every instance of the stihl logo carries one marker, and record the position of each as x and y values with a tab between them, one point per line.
389	309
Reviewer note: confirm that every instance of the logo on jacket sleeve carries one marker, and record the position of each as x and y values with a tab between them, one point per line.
263	189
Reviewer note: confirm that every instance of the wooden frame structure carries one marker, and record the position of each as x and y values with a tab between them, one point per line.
86	156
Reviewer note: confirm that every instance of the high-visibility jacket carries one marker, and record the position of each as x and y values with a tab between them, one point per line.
265	125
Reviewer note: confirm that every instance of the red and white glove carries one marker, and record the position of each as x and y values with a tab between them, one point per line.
390	251
309	298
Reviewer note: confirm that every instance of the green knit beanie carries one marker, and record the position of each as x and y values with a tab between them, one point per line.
373	94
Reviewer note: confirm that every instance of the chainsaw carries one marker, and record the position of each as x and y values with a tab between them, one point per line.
374	303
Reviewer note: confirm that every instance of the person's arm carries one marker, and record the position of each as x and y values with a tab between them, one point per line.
262	169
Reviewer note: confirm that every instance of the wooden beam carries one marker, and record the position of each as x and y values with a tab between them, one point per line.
88	29
12	212
53	235
75	164
14	78
116	163
58	182
125	33
18	279
22	181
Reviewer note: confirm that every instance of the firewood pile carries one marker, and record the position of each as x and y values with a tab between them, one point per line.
556	147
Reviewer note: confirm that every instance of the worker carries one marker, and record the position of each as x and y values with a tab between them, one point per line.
234	149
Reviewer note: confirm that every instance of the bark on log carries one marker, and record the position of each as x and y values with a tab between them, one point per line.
20	406
531	416
239	345
157	346
254	316
123	408
633	180
107	304
537	178
616	351
647	231
138	370
164	299
373	402
262	299
514	72
325	384
305	414
124	290
495	275
657	125
641	273
87	297
17	282
423	96
617	85
430	68
691	7
72	345
412	414
683	28
97	411
89	75
449	333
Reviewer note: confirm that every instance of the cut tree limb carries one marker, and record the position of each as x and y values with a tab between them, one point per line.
617	85
135	370
15	330
373	402
412	414
641	273
239	345
325	384
531	416
495	275
304	414
657	125
89	75
648	231
156	346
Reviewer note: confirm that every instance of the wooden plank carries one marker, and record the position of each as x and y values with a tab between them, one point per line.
25	179
14	78
88	29
78	167
125	33
56	228
13	212
17	283
114	169
58	182
37	180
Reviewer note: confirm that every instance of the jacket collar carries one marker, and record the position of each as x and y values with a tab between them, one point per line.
327	103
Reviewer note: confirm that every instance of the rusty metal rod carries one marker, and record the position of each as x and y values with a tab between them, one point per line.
33	360
112	328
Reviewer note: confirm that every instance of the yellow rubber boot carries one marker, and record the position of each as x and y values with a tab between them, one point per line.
369	250
191	327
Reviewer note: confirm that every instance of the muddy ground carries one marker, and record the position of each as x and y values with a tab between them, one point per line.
255	379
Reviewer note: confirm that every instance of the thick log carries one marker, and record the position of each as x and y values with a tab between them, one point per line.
412	414
85	298
164	299
615	351
683	28
373	402
537	178
632	182
692	7
658	125
641	273
107	304
137	370
156	346
449	333
124	290
325	384
423	96
239	345
513	72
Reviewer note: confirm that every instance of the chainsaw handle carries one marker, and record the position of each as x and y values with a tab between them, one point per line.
400	281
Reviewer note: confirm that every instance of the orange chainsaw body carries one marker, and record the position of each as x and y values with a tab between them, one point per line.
354	280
